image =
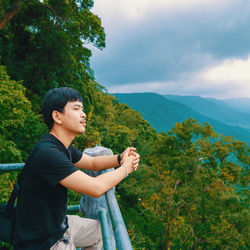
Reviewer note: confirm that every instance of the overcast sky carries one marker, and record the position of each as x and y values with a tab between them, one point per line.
180	47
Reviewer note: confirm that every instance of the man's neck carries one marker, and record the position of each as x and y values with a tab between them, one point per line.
65	138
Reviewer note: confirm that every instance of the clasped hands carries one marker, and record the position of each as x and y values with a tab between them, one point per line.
131	157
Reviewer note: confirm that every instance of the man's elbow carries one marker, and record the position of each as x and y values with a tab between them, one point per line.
98	190
96	194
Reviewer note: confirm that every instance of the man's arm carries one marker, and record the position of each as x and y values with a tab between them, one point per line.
97	163
96	186
105	161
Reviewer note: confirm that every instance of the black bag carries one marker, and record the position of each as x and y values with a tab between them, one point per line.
8	217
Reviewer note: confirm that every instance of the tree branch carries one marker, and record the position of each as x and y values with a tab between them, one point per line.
175	186
18	8
11	14
192	230
144	210
49	7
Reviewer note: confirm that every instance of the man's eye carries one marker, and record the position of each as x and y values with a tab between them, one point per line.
78	108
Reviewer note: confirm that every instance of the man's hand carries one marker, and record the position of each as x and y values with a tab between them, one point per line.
131	152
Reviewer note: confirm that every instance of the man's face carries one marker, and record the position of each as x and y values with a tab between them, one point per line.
73	118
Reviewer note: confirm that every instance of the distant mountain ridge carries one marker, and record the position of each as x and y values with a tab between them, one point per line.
242	104
215	109
163	114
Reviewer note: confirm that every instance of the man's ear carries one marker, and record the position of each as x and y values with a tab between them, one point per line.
56	115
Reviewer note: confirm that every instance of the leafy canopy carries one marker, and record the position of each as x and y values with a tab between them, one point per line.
194	189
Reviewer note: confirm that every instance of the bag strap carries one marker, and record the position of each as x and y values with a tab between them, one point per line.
18	183
11	201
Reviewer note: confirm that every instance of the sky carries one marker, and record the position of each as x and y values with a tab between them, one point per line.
178	47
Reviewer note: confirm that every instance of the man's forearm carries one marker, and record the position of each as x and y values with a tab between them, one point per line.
105	162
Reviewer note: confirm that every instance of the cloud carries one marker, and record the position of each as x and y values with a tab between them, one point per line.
230	78
167	43
230	70
133	10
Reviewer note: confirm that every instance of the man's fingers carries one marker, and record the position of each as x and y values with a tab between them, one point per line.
135	167
128	150
125	154
136	155
136	161
131	149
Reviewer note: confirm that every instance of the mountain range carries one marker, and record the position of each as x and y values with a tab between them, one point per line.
242	104
218	110
163	112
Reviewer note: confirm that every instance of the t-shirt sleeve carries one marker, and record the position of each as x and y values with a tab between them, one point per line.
75	154
53	166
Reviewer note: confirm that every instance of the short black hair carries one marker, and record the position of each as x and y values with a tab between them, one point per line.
56	99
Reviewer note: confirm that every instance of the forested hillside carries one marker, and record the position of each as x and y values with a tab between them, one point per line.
191	188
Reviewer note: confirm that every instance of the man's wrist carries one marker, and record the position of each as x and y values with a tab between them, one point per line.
125	166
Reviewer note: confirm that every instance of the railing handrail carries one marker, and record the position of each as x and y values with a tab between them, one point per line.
11	167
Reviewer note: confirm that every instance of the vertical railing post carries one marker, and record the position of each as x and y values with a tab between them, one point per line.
106	233
120	232
91	207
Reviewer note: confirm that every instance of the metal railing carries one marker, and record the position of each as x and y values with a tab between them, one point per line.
118	229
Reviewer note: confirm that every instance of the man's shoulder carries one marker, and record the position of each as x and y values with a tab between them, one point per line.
45	146
48	141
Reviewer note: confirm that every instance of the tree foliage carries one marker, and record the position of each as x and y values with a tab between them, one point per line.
46	47
195	188
20	127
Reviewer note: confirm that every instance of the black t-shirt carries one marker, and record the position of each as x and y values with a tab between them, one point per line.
42	202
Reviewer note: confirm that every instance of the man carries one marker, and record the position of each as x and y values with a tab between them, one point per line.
53	167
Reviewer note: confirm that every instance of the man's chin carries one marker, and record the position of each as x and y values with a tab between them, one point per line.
82	131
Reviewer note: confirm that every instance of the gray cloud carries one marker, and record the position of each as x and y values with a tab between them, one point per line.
171	46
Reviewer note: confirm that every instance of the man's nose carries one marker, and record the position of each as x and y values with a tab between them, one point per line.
83	115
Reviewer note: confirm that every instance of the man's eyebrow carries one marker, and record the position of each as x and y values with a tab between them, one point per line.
78	105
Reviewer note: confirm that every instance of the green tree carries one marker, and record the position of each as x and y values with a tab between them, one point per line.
194	189
19	125
46	45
